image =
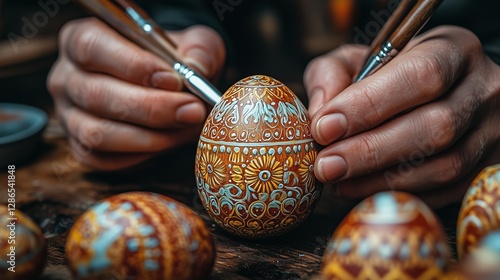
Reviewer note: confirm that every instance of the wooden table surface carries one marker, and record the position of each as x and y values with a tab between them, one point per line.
54	190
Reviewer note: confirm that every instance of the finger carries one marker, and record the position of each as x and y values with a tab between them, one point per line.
201	48
455	168
432	128
415	77
94	46
105	161
119	100
106	135
326	76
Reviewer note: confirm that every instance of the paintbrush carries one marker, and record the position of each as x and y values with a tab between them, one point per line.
135	24
403	32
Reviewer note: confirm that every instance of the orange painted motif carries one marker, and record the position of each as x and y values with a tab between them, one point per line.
480	210
255	160
391	235
141	236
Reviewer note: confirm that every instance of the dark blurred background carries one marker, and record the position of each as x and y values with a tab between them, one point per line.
275	38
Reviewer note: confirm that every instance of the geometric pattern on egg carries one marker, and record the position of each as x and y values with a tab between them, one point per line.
255	158
390	235
480	210
140	235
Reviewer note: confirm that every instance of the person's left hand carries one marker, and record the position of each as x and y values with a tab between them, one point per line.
426	123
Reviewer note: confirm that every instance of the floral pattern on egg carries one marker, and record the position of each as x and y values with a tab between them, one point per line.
390	235
255	159
140	235
480	210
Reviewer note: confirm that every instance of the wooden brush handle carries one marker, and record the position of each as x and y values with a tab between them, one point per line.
392	23
413	22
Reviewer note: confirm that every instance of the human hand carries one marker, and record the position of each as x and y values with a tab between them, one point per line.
426	123
121	104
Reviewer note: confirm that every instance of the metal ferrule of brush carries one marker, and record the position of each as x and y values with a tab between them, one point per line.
386	53
198	85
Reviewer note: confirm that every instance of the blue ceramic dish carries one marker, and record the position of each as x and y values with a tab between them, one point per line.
21	128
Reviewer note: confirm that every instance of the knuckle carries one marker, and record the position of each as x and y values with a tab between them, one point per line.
83	42
155	111
90	135
452	170
468	38
134	59
214	37
55	81
442	126
87	93
66	32
368	151
426	73
314	65
369	113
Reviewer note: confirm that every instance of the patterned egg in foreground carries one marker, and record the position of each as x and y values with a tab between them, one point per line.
480	210
140	235
255	159
390	235
23	249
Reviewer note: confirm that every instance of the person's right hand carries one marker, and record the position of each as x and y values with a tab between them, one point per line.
121	104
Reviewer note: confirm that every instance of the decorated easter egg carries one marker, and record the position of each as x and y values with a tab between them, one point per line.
255	159
23	249
480	210
390	235
140	235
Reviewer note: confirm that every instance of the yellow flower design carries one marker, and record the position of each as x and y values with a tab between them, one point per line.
212	170
306	169
264	174
237	176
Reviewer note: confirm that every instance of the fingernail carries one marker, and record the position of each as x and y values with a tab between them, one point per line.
200	60
331	127
331	168
166	80
191	113
317	100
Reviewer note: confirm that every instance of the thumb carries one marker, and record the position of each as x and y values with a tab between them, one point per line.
202	48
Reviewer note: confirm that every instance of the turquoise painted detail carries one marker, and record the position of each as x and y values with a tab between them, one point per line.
151	242
424	250
146	230
194	245
404	253
344	246
132	245
126	206
385	203
385	251
103	242
492	242
364	248
151	264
